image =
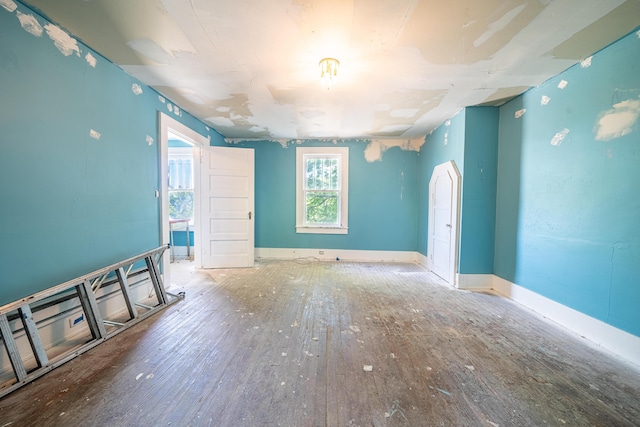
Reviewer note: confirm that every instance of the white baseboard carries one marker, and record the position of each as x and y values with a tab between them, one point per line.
475	282
622	343
55	328
335	254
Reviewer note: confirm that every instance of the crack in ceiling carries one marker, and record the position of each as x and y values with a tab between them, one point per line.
250	69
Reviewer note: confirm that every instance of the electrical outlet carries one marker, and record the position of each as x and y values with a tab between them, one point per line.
75	322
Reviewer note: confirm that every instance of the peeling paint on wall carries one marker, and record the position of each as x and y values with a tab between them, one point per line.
562	84
135	88
9	5
94	134
30	24
63	41
161	99
376	147
176	111
91	60
170	107
149	140
544	100
520	113
618	121
586	63
559	137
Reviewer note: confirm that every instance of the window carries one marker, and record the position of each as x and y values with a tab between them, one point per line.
322	182
181	183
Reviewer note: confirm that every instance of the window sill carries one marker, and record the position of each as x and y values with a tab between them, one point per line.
322	230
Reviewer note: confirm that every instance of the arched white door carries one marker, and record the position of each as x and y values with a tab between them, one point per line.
444	202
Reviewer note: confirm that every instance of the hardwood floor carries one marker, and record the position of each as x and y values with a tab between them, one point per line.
307	343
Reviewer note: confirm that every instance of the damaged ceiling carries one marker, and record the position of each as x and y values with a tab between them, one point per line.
249	69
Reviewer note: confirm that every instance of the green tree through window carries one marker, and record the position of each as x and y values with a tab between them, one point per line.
322	190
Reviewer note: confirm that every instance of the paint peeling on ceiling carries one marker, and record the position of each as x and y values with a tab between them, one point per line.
250	69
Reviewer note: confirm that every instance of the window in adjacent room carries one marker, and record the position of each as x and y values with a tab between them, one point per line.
322	182
181	183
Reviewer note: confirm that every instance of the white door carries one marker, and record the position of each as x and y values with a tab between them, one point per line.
443	221
226	207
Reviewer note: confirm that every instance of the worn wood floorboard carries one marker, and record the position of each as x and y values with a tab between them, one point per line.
286	343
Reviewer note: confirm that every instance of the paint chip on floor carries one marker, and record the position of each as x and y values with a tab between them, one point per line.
140	375
367	368
470	367
354	328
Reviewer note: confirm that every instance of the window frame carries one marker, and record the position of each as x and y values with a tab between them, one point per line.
301	225
178	153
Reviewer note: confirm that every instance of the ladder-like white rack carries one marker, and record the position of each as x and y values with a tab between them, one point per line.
82	288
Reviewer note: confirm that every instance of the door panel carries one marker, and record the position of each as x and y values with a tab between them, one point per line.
442	225
227	207
443	221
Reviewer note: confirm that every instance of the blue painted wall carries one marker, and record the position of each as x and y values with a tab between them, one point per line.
382	199
477	219
568	195
72	203
443	144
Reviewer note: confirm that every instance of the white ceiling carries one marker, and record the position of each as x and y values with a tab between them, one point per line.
249	68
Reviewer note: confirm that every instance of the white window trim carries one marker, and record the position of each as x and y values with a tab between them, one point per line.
343	152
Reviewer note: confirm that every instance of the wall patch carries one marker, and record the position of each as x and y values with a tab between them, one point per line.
63	41
562	84
586	63
91	60
30	24
149	140
94	134
161	99
9	5
376	147
520	113
559	137
544	100
135	88
618	121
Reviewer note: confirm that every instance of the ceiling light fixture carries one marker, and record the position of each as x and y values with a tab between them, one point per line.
328	71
